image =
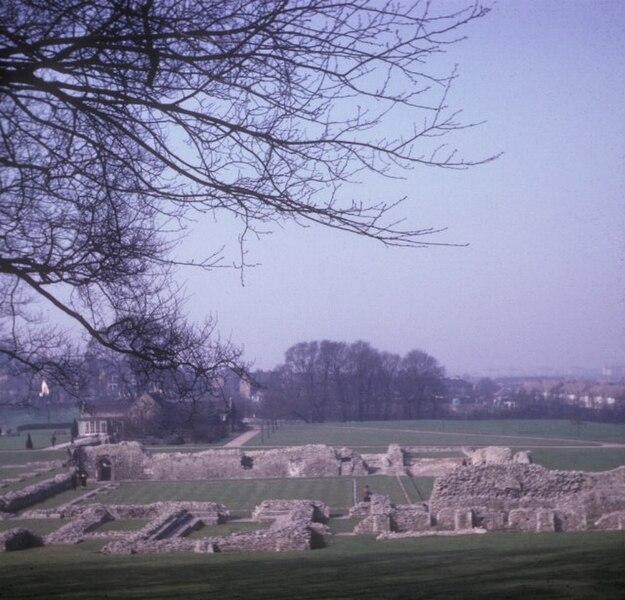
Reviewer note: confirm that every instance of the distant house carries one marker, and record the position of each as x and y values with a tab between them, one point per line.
120	419
104	418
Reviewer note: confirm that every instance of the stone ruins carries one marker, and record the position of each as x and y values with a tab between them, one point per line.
130	460
490	489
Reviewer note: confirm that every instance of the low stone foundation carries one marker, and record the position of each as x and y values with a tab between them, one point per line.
74	532
18	538
38	492
293	527
270	510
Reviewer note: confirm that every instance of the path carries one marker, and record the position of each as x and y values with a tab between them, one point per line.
242	439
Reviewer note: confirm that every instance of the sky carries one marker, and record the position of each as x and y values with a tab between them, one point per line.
539	284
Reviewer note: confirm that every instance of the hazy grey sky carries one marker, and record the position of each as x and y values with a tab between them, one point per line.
542	280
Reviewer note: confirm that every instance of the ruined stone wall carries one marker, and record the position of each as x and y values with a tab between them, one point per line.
32	494
605	493
304	510
432	467
18	538
410	517
525	497
398	461
129	460
497	455
508	486
74	532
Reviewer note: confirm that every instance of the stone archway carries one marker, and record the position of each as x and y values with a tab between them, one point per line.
105	470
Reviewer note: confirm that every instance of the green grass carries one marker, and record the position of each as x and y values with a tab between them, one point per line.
39	526
242	496
588	431
371	436
508	566
38	478
579	459
583	566
451	454
39	437
22	457
63	497
344	525
227	529
123	525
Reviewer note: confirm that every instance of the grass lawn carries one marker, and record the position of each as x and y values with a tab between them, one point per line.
579	459
580	566
239	496
123	525
372	436
38	478
227	528
39	526
41	438
63	497
22	457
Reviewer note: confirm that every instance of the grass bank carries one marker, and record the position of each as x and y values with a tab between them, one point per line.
582	566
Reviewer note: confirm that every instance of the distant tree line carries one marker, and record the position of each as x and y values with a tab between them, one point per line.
335	381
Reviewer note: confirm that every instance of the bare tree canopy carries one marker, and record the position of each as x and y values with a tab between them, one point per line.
326	380
122	118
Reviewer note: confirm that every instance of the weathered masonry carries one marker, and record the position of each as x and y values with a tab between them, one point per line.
130	460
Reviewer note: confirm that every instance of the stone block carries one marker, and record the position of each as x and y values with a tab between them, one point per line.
32	494
446	519
18	538
410	517
463	519
489	519
374	524
570	520
532	520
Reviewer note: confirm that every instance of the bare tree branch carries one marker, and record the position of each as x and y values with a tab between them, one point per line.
121	119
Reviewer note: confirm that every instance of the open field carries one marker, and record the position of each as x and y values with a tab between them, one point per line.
23	457
582	566
579	459
371	436
40	438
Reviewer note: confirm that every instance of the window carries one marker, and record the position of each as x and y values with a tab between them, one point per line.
102	426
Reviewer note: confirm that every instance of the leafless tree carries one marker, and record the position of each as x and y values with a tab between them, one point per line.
328	380
122	119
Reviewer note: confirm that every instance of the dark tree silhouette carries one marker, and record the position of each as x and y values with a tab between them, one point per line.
122	119
328	380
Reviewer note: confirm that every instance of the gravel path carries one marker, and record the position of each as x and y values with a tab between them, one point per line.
239	441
